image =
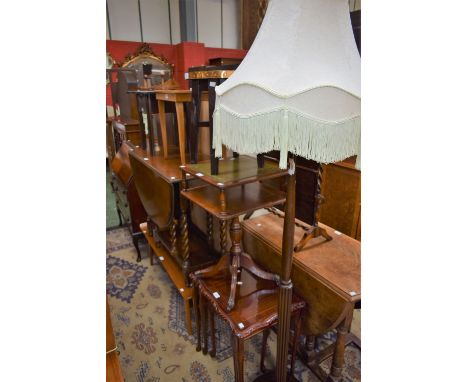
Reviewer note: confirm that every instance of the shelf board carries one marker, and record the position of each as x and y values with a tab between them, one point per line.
239	200
235	171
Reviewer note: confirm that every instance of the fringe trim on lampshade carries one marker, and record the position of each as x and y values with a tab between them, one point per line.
286	130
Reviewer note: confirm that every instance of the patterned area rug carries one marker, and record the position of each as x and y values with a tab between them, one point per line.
149	325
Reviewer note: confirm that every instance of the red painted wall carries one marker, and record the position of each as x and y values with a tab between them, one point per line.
183	56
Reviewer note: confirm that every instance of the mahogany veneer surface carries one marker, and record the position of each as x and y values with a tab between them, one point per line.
256	301
235	171
327	274
169	169
239	200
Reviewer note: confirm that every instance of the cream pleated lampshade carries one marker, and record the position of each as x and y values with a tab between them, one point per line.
299	87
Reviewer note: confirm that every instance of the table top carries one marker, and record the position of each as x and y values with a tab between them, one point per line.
174	95
239	200
235	171
211	71
169	168
335	263
256	301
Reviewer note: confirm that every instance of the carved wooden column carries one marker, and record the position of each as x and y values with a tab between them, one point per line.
209	228
223	236
236	252
185	250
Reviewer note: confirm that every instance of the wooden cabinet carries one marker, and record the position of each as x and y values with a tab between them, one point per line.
129	207
341	188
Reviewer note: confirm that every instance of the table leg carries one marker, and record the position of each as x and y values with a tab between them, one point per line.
238	355
211	104
196	309
338	356
188	318
204	319
265	335
195	120
213	331
140	105
181	128
162	122
150	125
236	251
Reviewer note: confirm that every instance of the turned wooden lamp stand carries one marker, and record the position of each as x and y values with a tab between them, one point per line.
227	202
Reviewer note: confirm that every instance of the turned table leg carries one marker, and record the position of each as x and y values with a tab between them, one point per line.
338	356
238	355
204	323
213	333
135	244
188	318
150	234
297	333
196	308
265	335
236	251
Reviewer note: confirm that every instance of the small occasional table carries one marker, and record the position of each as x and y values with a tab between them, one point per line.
205	78
178	97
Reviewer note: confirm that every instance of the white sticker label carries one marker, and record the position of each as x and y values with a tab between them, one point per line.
216	295
172	177
239	283
352	293
199	174
240	325
186	76
145	158
182	166
212	84
161	258
220	184
338	233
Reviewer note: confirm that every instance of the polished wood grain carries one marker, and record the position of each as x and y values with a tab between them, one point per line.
168	169
341	189
178	97
237	200
256	308
156	194
128	203
325	273
113	369
174	271
235	171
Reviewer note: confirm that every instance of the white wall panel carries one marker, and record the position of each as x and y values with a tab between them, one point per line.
209	22
124	20
155	21
231	24
175	21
